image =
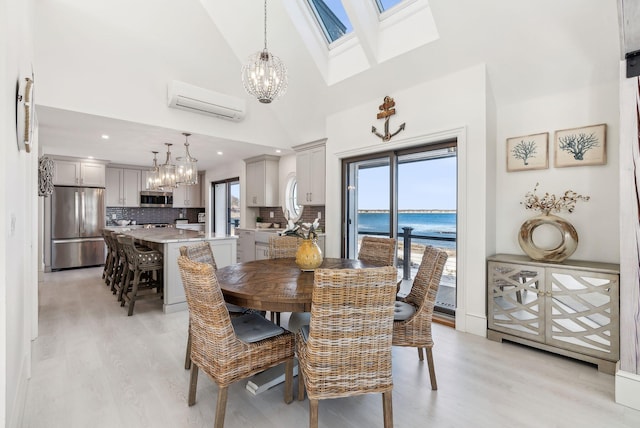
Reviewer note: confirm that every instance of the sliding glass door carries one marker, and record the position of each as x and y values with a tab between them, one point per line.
410	195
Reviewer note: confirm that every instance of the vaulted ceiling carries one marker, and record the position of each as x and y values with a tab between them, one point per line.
102	67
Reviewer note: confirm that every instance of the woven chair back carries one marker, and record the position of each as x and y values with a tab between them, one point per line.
378	251
208	312
200	252
139	260
348	350
281	247
427	279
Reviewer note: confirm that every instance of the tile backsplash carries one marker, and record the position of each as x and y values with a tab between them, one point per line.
152	215
308	215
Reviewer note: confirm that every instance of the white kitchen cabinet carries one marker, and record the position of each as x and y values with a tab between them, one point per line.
262	181
78	173
570	308
123	187
262	251
310	173
187	196
246	245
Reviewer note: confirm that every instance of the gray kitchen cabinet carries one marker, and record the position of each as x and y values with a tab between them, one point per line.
310	173
262	181
123	187
187	196
570	308
69	172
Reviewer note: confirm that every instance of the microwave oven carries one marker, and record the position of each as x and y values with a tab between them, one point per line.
156	199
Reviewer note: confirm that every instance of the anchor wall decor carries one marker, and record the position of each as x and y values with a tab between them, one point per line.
387	110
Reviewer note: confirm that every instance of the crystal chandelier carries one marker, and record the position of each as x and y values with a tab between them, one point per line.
264	76
186	167
153	175
168	171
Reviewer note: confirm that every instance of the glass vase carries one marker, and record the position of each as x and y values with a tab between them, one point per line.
308	255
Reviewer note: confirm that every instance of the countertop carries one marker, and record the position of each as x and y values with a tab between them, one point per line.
167	235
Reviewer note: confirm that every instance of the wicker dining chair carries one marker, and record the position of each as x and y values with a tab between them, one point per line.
282	247
377	250
374	250
201	252
346	349
412	325
221	352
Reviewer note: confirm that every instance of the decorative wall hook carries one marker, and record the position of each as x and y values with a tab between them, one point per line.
387	110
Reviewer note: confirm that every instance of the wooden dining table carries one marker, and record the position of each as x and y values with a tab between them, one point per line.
276	285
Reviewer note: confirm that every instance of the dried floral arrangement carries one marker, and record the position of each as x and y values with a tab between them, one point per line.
303	230
548	203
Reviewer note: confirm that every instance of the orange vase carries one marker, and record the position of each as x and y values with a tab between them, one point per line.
309	255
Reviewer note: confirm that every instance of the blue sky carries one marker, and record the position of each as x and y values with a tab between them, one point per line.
338	9
423	185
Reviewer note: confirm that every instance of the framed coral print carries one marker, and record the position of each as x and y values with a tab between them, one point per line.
580	146
528	152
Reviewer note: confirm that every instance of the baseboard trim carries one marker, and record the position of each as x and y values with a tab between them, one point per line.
476	325
628	389
17	409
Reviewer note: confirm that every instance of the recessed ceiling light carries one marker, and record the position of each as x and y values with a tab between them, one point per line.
90	157
105	137
278	151
220	153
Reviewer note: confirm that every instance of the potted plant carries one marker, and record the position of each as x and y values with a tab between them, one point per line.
260	224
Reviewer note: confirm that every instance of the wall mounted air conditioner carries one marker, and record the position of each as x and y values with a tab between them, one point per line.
199	100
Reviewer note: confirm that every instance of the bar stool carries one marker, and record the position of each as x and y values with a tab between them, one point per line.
145	268
110	258
119	266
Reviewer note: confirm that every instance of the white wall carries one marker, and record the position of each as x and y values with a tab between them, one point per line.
454	106
596	221
18	203
134	54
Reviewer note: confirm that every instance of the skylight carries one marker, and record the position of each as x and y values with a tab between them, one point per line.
386	4
332	18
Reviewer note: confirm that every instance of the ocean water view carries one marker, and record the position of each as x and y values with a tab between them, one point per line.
431	224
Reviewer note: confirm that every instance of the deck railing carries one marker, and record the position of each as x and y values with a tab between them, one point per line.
405	237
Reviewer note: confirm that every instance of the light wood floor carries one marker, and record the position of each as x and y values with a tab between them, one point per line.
95	367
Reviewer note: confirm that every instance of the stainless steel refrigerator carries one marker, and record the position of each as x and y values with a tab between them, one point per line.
77	220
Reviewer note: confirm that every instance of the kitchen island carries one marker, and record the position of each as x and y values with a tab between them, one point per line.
168	240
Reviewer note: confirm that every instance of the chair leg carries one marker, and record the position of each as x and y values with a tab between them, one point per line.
432	370
313	413
288	381
134	291
275	318
221	406
420	355
387	409
300	384
193	385
187	357
125	277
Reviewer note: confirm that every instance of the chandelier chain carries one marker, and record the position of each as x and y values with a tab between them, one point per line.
265	25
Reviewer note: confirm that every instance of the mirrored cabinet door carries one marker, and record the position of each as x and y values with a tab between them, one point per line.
515	302
582	310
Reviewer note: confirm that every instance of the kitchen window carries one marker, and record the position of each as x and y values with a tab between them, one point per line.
226	205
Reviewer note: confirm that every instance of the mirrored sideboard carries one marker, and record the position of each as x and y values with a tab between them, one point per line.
570	308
